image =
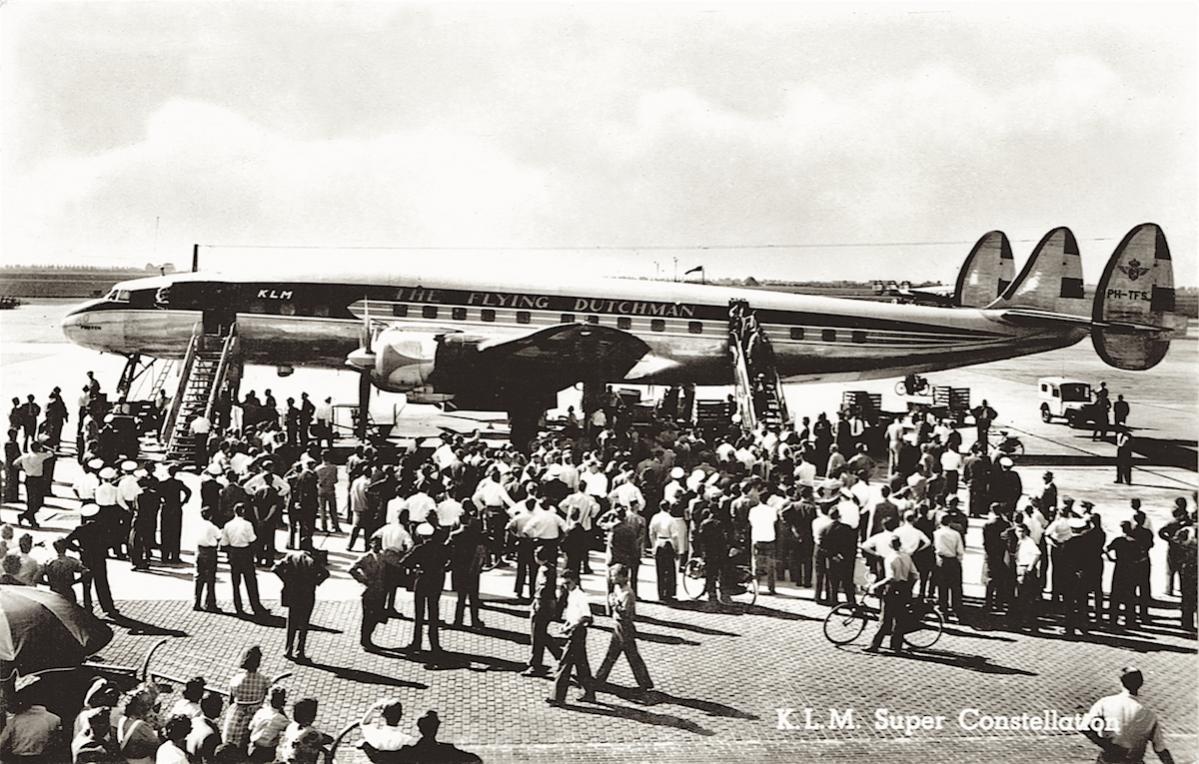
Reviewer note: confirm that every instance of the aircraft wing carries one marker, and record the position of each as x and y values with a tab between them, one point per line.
565	354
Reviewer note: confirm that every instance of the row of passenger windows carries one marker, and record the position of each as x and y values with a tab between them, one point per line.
829	335
487	315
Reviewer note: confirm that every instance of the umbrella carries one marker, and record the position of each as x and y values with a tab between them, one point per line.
41	630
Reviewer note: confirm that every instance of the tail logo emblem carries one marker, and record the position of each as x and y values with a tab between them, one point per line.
1133	270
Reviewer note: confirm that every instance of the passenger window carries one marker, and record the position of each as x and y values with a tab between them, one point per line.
487	315
123	295
458	314
624	322
399	311
858	336
829	335
287	309
429	311
568	318
320	311
593	319
695	327
797	332
657	325
523	317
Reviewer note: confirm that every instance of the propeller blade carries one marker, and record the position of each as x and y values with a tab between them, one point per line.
364	402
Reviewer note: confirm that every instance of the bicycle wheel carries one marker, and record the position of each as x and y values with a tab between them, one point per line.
901	388
694	578
844	623
745	590
925	626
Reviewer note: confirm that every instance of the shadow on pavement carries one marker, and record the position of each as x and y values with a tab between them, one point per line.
365	677
656	697
136	627
644	636
447	660
977	663
637	715
648	620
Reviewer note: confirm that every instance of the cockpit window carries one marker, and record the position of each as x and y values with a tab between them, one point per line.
122	295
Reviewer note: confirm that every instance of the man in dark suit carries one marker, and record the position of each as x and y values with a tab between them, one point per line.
301	573
995	557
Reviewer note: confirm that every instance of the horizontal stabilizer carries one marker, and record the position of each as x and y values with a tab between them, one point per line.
1051	280
986	272
1133	313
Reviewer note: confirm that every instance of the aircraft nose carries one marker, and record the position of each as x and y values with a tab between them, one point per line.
78	325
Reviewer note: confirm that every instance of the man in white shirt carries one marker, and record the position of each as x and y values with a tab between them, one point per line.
1126	727
388	736
577	616
208	538
129	488
419	505
395	542
238	537
763	517
626	494
950	549
595	482
87	483
951	466
895	593
449	511
1028	580
666	542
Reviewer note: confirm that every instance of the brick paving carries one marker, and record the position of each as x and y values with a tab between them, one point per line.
720	677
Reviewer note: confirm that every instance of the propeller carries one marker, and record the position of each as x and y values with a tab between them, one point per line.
363	359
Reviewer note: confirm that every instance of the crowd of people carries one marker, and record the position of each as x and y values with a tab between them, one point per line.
811	505
249	721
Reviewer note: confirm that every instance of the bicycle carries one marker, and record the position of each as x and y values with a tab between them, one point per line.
743	580
846	622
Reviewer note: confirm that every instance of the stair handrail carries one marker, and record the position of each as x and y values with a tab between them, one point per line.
743	388
167	433
229	347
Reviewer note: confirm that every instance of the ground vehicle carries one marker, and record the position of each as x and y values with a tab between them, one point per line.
1006	443
744	580
846	622
1070	399
912	384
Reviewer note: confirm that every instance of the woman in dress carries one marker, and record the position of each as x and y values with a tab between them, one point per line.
247	690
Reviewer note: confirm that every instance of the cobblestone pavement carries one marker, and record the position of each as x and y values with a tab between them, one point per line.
721	678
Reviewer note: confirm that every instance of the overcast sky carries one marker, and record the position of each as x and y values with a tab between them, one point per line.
132	130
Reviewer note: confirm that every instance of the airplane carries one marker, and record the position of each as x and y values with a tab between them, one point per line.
511	346
986	273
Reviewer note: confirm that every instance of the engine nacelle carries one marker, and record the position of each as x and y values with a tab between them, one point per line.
404	360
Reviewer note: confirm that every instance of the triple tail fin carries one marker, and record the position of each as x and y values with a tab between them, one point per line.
1051	280
986	272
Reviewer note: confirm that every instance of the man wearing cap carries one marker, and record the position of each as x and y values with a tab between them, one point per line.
144	525
996	569
175	494
1006	486
1144	535
545	606
91	540
1048	494
1073	558
88	481
429	558
1123	727
1124	455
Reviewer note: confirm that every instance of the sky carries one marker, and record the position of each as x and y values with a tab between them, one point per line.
798	141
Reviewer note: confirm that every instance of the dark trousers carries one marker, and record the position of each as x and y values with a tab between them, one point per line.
1028	600
575	548
327	509
840	579
373	615
664	560
574	661
299	616
428	607
12	483
1143	596
999	585
949	584
170	530
241	567
801	563
466	583
624	641
893	619
141	546
97	566
206	575
1123	598
35	497
1076	604
1124	466
539	632
525	571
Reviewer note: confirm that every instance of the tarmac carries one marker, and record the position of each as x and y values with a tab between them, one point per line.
722	674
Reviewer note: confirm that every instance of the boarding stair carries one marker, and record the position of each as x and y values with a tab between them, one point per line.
758	389
212	362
